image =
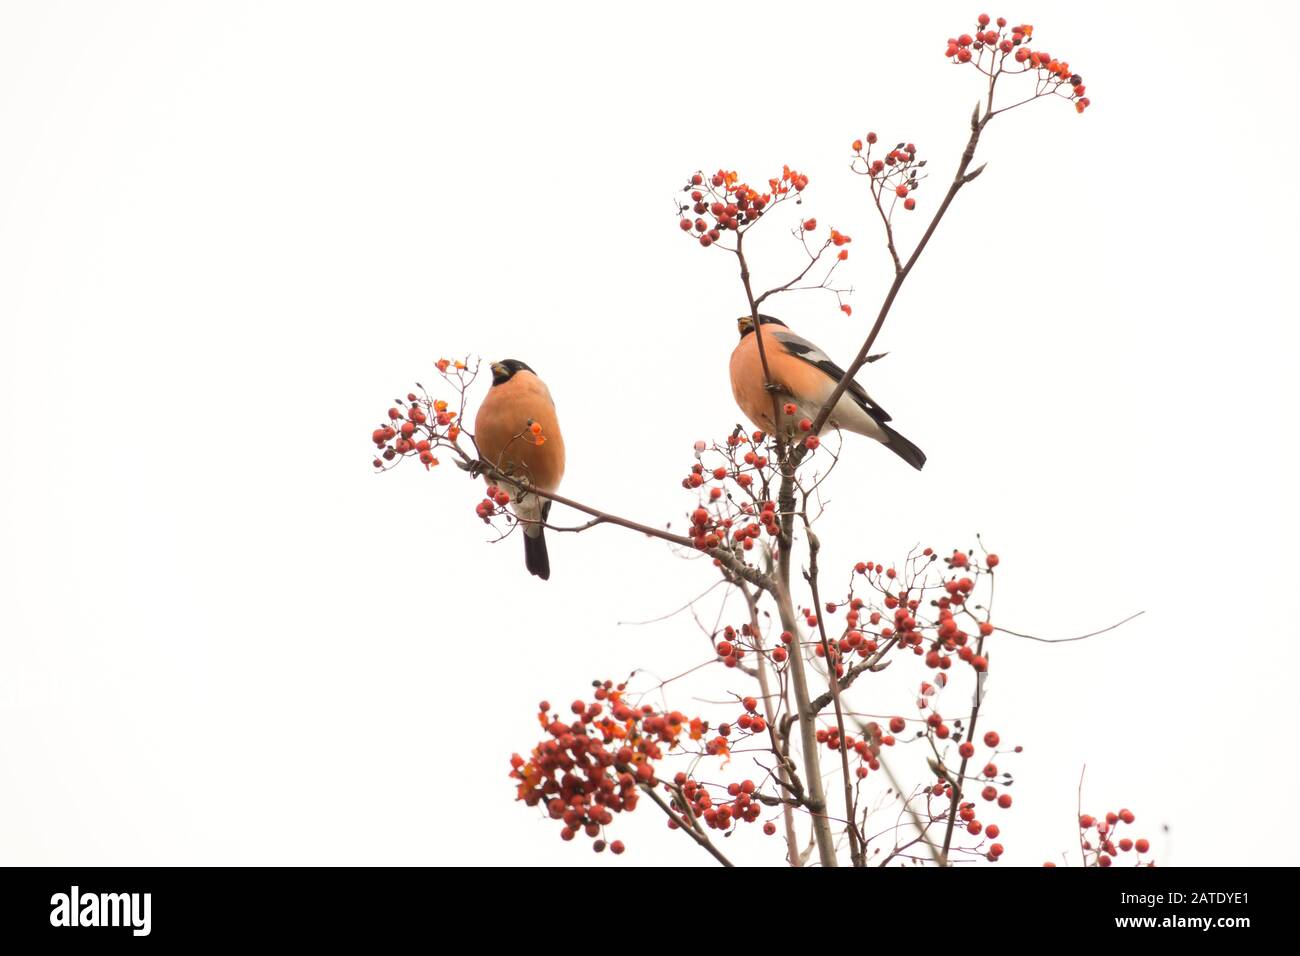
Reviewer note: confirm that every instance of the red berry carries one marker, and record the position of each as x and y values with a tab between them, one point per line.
991	739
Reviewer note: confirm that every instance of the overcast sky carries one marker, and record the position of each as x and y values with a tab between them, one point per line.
230	233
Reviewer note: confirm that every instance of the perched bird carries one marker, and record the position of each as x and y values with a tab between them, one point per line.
517	401
803	375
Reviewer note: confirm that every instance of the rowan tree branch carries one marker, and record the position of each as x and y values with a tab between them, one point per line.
786	775
683	825
960	178
724	556
856	848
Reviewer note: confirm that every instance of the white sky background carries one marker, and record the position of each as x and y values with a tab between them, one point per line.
231	233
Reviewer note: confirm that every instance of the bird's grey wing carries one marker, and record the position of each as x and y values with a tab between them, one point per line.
804	350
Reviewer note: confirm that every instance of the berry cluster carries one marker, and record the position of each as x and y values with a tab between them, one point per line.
735	515
1099	842
866	748
993	791
589	768
894	175
493	504
696	802
721	202
838	239
735	644
989	49
420	424
741	513
897	621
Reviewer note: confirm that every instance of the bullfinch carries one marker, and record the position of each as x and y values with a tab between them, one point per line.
803	375
504	431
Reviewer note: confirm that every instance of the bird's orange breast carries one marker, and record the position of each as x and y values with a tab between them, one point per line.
747	381
503	433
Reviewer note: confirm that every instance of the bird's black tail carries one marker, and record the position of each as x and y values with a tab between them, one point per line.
535	555
903	448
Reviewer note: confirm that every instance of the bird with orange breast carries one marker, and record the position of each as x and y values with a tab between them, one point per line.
503	431
804	376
